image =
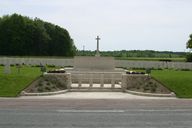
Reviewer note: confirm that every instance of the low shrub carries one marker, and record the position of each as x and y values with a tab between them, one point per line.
51	66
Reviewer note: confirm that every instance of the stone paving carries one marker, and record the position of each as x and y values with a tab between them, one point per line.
94	95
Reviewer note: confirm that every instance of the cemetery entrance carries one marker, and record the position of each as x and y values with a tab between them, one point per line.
96	81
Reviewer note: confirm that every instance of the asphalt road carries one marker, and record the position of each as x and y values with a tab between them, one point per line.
30	113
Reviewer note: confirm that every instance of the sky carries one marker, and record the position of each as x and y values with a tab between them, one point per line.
162	25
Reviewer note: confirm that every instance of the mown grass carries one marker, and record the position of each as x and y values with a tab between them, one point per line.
179	82
12	84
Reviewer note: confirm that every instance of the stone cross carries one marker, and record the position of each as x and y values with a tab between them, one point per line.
97	52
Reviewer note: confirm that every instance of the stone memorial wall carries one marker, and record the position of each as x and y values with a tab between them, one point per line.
94	63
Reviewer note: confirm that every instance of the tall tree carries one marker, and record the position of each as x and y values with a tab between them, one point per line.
189	42
21	36
189	45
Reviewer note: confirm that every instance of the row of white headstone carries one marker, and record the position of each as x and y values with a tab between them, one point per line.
36	61
70	62
153	64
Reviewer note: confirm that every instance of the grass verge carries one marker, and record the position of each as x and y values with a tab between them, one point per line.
12	84
179	82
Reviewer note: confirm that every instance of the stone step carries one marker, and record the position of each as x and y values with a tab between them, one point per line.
95	90
76	85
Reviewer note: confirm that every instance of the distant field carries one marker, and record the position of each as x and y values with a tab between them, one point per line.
178	81
150	59
12	84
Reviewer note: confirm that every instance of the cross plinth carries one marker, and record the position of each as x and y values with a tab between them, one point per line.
97	52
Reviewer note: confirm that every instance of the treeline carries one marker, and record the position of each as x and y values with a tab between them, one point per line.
135	53
23	36
189	45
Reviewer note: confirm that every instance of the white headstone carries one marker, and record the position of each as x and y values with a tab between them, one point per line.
7	69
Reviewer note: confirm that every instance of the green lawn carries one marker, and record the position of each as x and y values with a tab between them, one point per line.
179	82
12	84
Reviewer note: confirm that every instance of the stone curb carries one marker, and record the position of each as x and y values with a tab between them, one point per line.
172	94
23	93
